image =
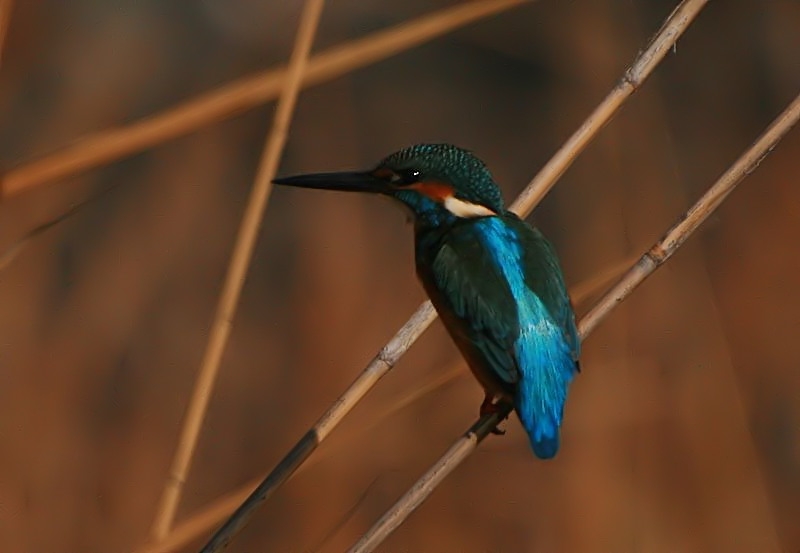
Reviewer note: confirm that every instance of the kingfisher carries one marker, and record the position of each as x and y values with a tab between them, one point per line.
495	281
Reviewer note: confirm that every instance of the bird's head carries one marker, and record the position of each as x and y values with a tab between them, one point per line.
439	182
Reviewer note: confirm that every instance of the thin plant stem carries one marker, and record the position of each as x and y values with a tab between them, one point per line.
227	101
692	219
5	18
208	517
644	64
230	100
12	251
219	509
647	264
386	359
211	515
202	521
237	270
379	366
583	291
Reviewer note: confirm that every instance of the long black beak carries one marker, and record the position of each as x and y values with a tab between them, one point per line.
348	182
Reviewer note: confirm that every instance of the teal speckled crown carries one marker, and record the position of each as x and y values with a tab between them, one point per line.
469	176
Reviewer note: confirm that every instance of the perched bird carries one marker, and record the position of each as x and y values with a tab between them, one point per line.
495	281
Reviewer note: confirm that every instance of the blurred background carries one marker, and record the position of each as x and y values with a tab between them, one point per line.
681	434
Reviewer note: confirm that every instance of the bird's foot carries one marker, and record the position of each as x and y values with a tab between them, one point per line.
493	404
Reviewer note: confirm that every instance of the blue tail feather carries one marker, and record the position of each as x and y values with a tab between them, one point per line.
542	392
547	447
542	428
546	344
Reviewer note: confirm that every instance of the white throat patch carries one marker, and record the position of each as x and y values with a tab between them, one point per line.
466	210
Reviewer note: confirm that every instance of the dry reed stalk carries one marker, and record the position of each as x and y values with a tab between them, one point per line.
199	523
581	292
5	18
379	366
227	101
12	251
388	356
15	248
219	509
647	264
237	270
644	64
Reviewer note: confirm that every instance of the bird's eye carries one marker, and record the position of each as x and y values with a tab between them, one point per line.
399	177
406	176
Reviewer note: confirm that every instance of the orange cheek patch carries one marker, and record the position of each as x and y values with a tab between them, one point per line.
437	191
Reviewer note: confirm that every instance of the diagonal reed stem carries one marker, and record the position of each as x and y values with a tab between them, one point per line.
237	270
631	81
647	264
11	252
213	513
227	101
385	360
5	18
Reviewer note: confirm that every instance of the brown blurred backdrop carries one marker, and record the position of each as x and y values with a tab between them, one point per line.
681	434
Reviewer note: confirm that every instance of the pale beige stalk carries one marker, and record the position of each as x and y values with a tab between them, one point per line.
5	18
641	68
202	521
649	262
644	64
227	101
237	270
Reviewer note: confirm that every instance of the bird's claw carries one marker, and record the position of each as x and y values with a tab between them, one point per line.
490	406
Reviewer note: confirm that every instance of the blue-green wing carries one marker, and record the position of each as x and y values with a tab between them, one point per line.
498	286
544	277
473	298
